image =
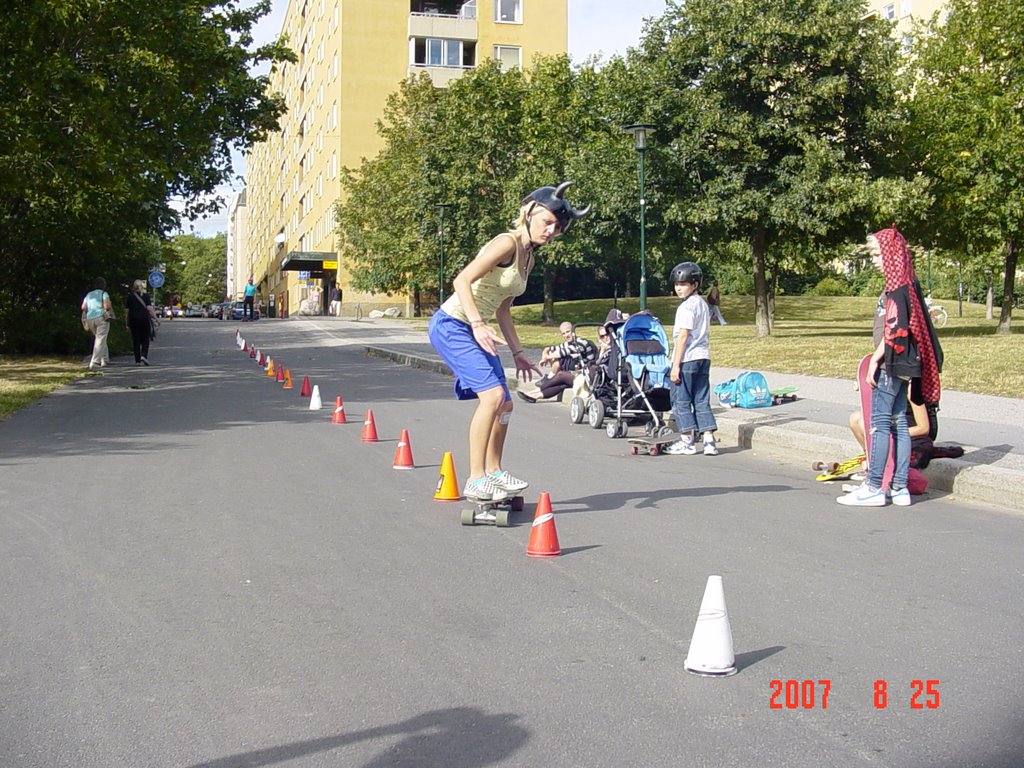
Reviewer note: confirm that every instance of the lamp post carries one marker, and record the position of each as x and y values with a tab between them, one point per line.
440	235
640	131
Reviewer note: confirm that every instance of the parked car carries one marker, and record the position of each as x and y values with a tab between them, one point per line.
238	311
215	310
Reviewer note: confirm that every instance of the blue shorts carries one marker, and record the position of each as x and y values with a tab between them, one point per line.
475	370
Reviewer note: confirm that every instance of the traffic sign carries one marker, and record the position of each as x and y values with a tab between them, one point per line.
156	279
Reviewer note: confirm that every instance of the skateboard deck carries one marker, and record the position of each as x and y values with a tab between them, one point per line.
650	446
783	395
836	470
496	513
865	412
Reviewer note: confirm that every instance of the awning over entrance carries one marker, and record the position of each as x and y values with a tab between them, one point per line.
310	261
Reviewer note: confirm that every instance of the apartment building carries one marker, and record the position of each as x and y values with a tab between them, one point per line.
239	263
351	55
904	12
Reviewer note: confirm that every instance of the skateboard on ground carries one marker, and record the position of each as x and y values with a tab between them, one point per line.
783	395
650	446
837	470
492	512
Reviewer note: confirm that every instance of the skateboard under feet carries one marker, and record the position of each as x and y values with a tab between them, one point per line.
650	446
492	512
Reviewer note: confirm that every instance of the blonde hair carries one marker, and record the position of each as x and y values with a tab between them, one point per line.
521	219
139	286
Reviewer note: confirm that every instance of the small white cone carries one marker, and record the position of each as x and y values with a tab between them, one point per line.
314	400
269	362
711	651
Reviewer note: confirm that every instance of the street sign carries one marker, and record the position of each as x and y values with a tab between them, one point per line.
156	279
303	275
330	265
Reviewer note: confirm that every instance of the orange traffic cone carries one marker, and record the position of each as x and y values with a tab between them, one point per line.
270	367
403	453
447	485
306	389
339	412
287	379
280	374
369	429
543	536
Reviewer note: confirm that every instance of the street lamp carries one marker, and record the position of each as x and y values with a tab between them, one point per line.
640	131
440	234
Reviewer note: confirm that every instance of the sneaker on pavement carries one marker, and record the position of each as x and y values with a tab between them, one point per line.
710	449
483	489
680	448
901	498
508	482
863	496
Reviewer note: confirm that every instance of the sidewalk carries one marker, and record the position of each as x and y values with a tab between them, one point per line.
814	427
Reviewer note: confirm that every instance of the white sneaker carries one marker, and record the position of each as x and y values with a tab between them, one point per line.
901	498
680	448
483	489
710	449
508	481
863	496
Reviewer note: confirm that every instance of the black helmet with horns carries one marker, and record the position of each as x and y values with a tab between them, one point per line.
553	199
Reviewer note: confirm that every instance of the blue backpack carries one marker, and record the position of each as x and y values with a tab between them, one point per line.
748	390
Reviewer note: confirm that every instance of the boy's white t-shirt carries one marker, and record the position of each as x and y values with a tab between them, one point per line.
693	315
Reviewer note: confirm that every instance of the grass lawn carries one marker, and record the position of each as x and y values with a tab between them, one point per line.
819	337
25	379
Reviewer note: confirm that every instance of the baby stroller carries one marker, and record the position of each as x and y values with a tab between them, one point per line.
631	388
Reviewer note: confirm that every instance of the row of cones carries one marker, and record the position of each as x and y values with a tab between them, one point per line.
711	649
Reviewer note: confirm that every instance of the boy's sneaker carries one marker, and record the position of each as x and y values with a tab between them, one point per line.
508	482
901	498
483	489
863	496
710	449
680	447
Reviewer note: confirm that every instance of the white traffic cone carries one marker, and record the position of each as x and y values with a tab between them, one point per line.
711	652
314	400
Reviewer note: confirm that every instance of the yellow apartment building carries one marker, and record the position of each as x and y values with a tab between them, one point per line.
904	12
351	55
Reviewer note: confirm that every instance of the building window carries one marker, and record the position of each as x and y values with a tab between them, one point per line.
509	57
439	52
508	11
889	11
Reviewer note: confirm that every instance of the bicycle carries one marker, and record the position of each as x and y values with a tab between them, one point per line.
938	315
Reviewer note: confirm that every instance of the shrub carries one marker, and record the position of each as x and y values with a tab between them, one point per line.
830	286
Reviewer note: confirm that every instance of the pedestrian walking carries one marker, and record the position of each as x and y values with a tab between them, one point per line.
97	312
138	318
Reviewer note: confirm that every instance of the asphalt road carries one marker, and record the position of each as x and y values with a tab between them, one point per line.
198	571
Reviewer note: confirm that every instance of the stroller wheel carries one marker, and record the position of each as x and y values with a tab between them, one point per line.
595	414
577	410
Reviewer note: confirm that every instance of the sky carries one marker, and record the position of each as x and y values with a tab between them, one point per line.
601	27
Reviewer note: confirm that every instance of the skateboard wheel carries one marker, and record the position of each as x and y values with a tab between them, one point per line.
467	516
818	466
634	450
517	504
655	450
501	518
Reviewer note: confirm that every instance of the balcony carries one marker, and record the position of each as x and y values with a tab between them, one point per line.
461	26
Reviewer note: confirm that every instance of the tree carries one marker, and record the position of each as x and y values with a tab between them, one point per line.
967	130
111	112
775	119
196	268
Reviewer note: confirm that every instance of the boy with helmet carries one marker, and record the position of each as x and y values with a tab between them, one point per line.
460	333
690	371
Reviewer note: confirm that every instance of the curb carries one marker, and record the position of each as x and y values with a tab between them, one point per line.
982	475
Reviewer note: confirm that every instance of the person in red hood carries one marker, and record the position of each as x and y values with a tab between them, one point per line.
908	349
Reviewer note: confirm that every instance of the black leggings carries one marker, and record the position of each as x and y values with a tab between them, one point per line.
140	338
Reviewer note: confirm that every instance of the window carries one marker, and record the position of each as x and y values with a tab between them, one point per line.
889	12
509	56
439	52
508	11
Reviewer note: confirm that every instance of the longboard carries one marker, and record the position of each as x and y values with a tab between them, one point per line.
836	470
649	446
865	412
496	513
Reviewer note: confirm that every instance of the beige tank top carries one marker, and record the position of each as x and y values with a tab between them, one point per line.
491	289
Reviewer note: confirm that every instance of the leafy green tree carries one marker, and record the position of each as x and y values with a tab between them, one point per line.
967	130
776	120
196	269
112	110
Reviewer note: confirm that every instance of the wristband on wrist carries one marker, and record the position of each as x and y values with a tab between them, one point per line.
476	323
517	352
